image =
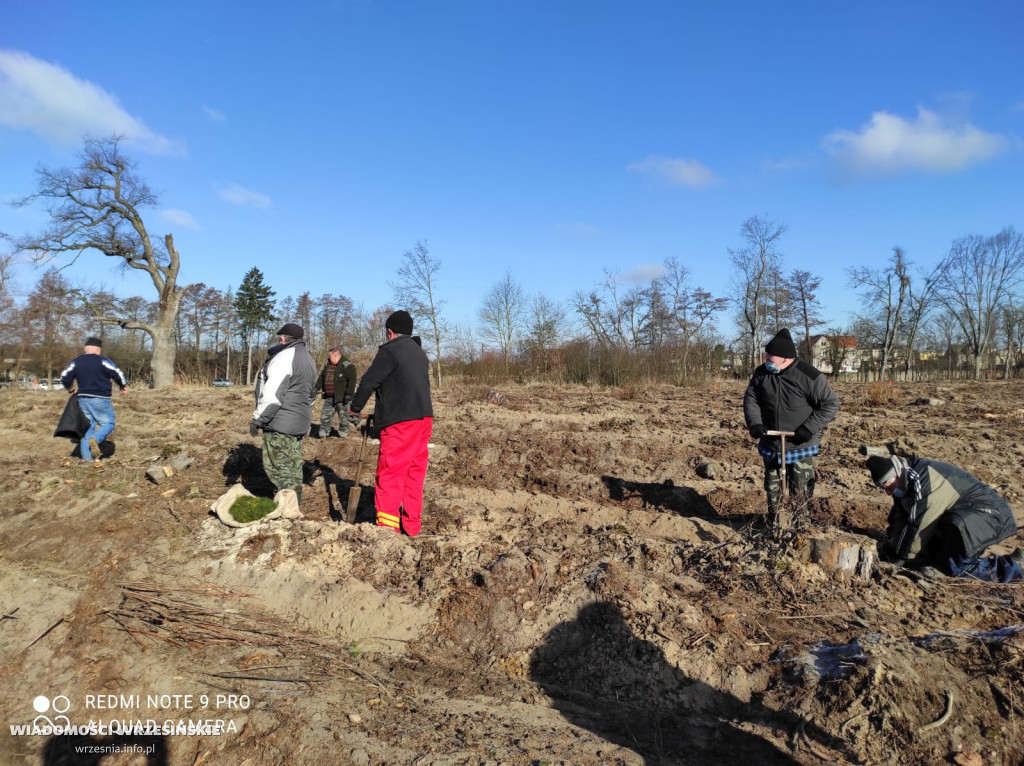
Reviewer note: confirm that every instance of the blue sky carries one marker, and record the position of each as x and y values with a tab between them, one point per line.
320	140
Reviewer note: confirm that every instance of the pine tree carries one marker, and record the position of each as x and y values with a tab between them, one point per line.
254	309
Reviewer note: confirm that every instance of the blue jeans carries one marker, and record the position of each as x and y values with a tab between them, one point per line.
950	555
991	568
101	421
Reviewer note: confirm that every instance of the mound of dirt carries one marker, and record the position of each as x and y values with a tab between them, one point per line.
594	584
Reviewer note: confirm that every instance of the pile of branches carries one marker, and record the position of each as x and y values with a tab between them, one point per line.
175	614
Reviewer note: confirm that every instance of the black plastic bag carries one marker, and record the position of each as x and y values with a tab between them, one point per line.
74	424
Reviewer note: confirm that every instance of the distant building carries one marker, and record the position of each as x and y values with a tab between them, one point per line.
825	350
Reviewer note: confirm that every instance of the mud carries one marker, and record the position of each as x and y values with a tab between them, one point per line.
594	584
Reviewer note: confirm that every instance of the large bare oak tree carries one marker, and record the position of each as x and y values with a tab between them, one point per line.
96	206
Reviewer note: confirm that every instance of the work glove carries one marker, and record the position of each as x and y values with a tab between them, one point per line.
345	401
354	417
802	434
756	431
254	429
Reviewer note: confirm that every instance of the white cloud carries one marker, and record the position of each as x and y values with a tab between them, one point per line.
890	144
180	218
51	102
214	114
677	172
642	274
235	194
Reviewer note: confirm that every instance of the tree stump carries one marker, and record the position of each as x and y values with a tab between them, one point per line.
843	554
157	472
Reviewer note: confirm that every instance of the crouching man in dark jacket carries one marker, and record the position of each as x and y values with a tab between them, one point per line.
944	517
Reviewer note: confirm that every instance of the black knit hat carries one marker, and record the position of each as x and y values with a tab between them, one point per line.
292	330
781	345
882	469
92	340
399	322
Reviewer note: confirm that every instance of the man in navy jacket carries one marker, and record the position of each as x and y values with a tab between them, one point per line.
92	375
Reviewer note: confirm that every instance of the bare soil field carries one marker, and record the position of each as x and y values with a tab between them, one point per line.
593	585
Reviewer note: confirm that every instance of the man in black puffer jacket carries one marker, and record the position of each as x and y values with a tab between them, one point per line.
944	517
787	395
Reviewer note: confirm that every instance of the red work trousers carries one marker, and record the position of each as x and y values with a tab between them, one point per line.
401	470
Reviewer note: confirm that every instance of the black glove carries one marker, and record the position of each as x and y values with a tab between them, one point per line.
254	429
802	434
345	401
354	417
756	431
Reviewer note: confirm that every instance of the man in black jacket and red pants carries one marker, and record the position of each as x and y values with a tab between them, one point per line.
400	378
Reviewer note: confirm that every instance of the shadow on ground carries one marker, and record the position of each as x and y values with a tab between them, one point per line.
604	679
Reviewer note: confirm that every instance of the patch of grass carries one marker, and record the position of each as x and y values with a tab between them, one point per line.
879	393
781	564
248	508
170	450
629	392
354	650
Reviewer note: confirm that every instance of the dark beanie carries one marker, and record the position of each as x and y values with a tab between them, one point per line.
882	470
292	330
781	345
400	322
92	340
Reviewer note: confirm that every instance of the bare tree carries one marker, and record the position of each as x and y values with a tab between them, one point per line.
692	310
918	305
96	206
197	318
885	294
416	291
1012	324
225	328
335	320
803	288
544	329
8	311
977	276
462	346
617	318
943	335
502	314
839	346
756	266
49	311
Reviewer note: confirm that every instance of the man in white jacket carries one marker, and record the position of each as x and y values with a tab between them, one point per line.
285	392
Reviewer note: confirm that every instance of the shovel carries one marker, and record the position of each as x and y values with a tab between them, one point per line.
353	494
782	453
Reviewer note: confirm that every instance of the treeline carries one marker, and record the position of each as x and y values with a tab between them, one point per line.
963	316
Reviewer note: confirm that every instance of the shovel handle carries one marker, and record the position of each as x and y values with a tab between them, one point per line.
782	454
